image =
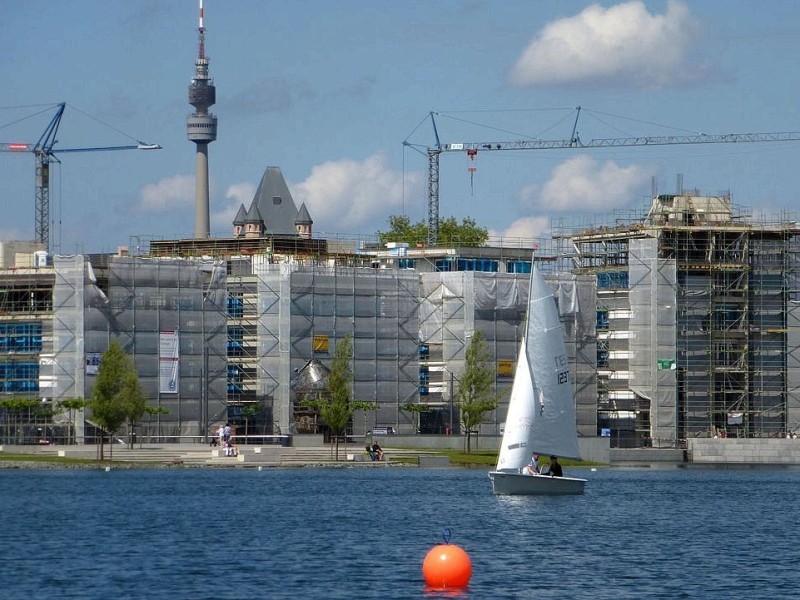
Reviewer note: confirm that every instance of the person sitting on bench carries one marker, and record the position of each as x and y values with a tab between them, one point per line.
377	450
372	455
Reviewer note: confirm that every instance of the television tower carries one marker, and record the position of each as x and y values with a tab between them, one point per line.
201	128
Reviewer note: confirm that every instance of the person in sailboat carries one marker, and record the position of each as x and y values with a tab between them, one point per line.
532	468
555	468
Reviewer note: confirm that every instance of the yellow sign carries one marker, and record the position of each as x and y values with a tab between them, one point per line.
321	343
505	368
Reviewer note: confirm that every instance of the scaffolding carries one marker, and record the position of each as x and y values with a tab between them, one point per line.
26	299
170	317
697	321
302	311
454	305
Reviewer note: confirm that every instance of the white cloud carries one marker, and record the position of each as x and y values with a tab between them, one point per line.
236	195
169	194
347	195
583	183
522	231
619	45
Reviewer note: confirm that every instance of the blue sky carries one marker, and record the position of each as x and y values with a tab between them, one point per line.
328	91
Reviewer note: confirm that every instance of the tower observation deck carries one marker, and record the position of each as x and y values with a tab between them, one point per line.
201	128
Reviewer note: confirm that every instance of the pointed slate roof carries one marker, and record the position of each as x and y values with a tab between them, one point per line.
275	203
240	217
253	215
303	218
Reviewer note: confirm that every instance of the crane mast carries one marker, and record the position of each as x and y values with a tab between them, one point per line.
45	153
574	142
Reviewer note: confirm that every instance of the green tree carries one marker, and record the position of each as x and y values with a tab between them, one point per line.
336	408
474	393
108	409
250	411
402	230
133	401
150	410
466	233
451	232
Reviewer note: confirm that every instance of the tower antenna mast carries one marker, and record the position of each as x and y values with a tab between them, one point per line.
201	128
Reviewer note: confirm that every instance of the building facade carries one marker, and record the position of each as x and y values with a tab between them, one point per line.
697	322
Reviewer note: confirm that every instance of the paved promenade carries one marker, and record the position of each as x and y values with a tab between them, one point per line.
197	455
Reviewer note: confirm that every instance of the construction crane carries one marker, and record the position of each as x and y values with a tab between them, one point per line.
472	148
45	153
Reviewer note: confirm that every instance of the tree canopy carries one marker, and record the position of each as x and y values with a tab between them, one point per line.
117	397
336	408
451	232
474	393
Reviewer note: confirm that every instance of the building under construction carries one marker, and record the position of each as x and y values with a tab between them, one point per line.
680	323
697	321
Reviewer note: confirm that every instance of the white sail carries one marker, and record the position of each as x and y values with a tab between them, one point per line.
554	423
515	450
541	411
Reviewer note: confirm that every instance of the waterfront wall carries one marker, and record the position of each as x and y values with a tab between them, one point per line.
742	451
593	449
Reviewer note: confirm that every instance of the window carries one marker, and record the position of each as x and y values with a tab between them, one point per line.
235	305
518	266
19	377
424	351
235	341
235	378
21	337
617	279
406	263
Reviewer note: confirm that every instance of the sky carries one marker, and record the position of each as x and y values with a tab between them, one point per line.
339	96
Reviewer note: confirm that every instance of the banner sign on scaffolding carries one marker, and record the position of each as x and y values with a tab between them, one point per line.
168	360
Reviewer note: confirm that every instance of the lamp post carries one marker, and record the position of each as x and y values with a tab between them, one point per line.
452	377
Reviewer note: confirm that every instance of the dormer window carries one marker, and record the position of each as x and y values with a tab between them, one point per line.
276	200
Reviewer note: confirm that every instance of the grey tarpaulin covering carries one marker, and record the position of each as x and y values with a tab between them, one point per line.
144	297
455	304
652	334
302	304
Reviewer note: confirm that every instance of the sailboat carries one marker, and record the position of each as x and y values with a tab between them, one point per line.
541	410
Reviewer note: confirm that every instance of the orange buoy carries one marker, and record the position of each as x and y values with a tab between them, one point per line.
447	566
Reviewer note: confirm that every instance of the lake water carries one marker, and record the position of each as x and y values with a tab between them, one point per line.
364	532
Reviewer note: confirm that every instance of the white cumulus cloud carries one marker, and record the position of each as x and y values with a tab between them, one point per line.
169	194
348	195
583	183
522	231
236	195
619	45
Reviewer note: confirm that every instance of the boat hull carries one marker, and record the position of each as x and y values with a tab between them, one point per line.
515	484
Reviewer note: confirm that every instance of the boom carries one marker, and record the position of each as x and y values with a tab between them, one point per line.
434	152
45	155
